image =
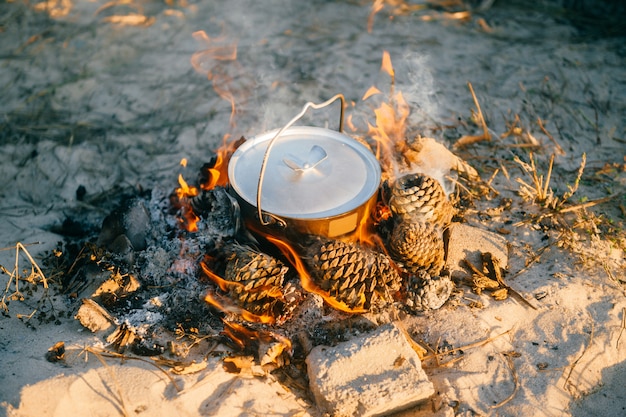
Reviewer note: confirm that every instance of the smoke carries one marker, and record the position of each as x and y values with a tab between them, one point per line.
421	91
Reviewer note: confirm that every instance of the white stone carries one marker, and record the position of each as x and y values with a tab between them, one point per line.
376	374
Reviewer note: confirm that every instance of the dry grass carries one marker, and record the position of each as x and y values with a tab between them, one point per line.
479	119
563	211
32	275
537	188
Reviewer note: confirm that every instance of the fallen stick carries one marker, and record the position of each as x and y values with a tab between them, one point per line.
509	362
469	346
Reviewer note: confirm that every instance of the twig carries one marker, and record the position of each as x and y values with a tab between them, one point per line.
559	149
546	186
27	317
32	262
480	113
469	346
23	244
586	204
511	365
569	209
493	265
471	139
474	269
533	260
419	350
115	381
108	354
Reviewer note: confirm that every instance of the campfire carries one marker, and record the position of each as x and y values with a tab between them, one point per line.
381	247
300	226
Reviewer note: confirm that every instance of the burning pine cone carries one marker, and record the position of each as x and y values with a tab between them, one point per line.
256	282
420	198
418	246
351	274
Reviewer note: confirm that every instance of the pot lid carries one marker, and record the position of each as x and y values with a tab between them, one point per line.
310	173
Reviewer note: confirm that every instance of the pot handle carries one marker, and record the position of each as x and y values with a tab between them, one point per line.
308	105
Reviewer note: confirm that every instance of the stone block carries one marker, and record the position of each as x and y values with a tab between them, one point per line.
372	375
468	242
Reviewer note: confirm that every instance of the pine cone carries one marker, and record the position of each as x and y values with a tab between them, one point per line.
418	197
424	292
352	274
418	246
255	282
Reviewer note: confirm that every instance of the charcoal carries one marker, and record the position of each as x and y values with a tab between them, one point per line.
220	211
123	248
130	219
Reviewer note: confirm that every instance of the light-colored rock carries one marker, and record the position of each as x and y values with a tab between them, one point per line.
376	374
468	242
94	317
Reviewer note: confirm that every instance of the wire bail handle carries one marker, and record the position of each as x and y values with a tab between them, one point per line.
273	140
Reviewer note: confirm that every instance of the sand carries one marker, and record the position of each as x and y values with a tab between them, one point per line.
104	96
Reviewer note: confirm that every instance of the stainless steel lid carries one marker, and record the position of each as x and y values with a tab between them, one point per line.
310	173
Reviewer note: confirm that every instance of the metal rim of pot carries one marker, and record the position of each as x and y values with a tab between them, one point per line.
306	162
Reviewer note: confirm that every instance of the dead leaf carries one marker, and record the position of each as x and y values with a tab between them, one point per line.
190	368
501	294
56	353
243	365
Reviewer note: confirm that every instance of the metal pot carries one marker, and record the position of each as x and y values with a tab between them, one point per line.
308	179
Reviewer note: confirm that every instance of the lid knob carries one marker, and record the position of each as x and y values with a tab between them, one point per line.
315	156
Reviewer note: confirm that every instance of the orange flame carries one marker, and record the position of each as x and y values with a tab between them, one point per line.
227	307
387	67
389	129
221	282
185	190
372	91
242	335
305	279
217	175
188	219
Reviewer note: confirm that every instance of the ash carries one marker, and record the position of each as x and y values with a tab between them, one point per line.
143	270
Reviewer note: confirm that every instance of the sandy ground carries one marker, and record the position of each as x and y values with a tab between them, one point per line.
104	96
